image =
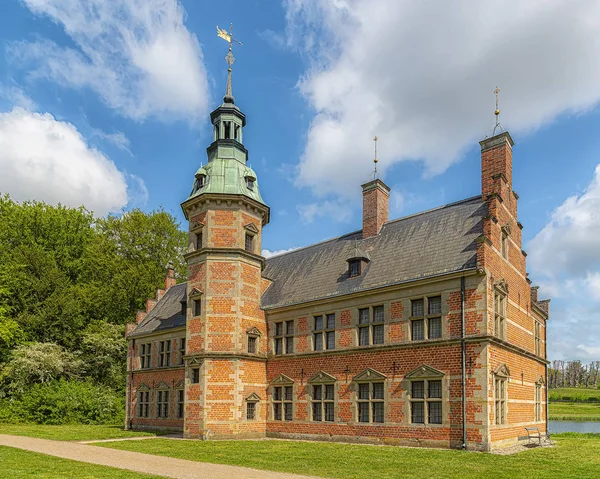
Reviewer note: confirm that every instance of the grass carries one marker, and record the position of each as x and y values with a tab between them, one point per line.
74	432
576	456
574	395
574	411
18	464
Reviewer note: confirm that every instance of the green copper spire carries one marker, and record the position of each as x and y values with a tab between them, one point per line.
227	171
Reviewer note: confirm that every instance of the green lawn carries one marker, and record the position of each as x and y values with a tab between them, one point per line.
574	394
76	432
576	456
18	464
574	411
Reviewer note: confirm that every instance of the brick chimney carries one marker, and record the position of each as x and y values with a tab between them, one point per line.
170	278
376	205
496	166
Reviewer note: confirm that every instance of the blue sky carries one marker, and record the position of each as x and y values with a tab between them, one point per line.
106	104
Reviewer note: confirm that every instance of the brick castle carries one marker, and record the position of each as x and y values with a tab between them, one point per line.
421	331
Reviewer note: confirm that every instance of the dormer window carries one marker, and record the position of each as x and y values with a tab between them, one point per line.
201	181
250	183
354	268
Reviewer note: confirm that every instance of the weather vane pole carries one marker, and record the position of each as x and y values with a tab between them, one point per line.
375	160
497	113
228	37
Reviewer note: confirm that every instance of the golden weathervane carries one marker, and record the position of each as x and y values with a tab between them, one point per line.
228	37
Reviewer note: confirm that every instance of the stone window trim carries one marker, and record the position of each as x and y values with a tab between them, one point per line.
162	397
164	353
145	355
426	318
504	241
539	399
500	297
323	334
252	407
501	377
371	325
143	401
251	233
193	371
283	337
322	395
195	299
537	338
253	336
282	398
370	397
182	346
180	398
426	392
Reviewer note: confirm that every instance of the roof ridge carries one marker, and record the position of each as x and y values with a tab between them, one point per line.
466	200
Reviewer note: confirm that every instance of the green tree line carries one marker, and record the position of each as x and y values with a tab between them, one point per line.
68	284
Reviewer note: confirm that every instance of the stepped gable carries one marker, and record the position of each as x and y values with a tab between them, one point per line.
434	242
166	314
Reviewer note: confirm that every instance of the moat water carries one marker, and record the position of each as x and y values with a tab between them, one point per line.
574	426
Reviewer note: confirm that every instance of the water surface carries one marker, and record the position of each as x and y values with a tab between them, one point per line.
574	426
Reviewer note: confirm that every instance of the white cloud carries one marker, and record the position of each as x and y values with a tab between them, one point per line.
137	55
337	210
420	75
49	160
268	253
117	139
17	97
565	258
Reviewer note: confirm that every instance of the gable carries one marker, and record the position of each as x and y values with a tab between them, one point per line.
424	371
369	375
282	379
253	398
502	371
254	331
322	377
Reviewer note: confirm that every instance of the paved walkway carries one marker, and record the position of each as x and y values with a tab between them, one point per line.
138	462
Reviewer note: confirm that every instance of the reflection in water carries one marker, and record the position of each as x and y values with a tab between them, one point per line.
574	426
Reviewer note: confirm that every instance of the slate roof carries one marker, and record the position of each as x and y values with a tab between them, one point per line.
166	314
427	244
431	243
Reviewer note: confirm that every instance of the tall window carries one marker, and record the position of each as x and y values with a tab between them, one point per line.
249	243
371	402
537	335
143	403
250	410
252	344
284	338
181	350
504	245
323	402
417	323
354	268
538	402
324	332
500	399
426	326
426	402
282	403
197	305
146	355
199	240
164	354
370	326
499	314
180	403
434	319
195	376
162	404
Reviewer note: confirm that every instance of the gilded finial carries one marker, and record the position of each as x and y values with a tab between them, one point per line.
497	113
229	58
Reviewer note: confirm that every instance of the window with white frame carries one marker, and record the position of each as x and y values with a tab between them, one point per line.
323	402
371	402
162	403
146	355
283	402
324	332
426	401
143	403
499	314
371	326
164	354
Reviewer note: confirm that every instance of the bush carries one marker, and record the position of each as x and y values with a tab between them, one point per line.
69	402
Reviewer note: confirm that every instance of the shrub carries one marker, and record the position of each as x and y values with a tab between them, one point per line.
70	402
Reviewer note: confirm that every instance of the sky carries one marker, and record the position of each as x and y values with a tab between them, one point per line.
106	105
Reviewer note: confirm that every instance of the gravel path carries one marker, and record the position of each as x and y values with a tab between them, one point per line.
138	462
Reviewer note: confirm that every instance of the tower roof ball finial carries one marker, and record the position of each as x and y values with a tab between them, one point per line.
497	114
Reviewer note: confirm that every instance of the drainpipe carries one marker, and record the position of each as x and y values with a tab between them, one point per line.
546	395
130	402
464	362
